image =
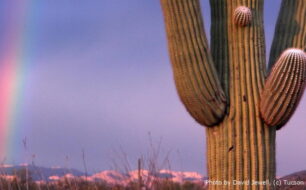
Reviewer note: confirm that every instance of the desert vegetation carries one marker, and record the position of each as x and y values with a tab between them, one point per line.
24	181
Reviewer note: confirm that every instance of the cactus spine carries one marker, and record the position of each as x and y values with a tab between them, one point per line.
221	86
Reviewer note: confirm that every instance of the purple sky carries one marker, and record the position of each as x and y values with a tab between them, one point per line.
100	79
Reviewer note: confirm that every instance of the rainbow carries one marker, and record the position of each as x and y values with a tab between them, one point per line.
12	63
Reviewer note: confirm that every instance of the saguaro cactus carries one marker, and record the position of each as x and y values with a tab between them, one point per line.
223	87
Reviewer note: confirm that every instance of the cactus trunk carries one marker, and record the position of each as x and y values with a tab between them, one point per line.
242	147
223	88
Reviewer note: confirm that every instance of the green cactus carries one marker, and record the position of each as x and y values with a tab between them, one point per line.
223	87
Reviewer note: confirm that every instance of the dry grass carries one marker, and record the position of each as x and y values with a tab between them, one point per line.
152	161
20	183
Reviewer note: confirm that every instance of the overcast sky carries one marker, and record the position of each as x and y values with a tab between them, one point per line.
97	77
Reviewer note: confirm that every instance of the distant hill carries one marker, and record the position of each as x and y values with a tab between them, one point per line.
114	177
295	181
108	176
39	173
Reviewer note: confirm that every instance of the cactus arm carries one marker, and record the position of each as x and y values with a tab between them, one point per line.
195	75
290	31
284	88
